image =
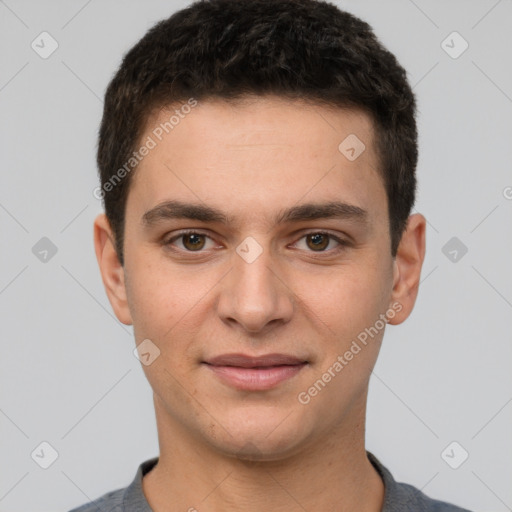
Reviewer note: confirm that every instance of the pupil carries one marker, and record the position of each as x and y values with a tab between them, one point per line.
193	241
319	241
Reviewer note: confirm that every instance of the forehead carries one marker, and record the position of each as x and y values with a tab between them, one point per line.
258	155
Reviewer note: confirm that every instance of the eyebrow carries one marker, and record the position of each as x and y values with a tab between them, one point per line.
174	209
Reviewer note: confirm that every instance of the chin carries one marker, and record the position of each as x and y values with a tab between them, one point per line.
258	450
266	438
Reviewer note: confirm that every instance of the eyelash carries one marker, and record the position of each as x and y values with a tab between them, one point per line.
342	244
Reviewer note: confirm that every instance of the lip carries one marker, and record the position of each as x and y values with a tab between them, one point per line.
255	373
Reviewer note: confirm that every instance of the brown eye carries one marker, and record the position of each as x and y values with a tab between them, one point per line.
193	241
317	241
187	242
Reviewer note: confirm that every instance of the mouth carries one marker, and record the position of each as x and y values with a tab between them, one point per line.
255	373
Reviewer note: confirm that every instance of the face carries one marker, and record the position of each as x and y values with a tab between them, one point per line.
258	264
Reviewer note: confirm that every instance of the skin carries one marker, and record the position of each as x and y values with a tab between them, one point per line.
223	449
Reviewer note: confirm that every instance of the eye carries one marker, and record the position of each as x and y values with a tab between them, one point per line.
190	241
319	241
194	241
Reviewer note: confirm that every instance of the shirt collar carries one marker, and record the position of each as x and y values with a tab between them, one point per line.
134	498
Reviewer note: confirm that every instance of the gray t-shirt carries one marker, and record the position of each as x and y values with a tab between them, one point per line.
398	497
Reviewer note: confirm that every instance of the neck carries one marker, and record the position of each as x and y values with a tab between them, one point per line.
332	473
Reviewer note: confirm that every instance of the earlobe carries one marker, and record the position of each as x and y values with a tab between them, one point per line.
112	272
407	267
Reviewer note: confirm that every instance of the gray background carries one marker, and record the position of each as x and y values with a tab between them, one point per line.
68	374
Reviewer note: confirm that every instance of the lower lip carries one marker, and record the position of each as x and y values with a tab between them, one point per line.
255	379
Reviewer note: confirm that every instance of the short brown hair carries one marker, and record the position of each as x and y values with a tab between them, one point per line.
302	49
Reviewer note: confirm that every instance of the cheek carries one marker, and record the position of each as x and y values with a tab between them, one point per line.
152	297
166	302
347	318
348	299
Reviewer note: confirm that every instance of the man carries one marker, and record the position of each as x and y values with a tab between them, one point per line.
257	164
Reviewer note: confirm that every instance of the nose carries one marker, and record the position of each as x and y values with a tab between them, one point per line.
255	296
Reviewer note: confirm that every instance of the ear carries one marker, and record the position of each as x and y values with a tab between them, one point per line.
407	267
112	272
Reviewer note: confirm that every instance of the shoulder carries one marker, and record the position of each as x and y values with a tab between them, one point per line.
109	502
124	499
408	498
400	497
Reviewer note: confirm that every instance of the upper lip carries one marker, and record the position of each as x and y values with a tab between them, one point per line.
246	361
